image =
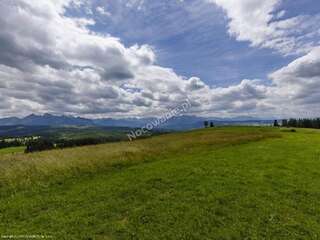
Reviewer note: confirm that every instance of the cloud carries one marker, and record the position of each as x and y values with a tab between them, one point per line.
300	80
262	23
194	84
50	62
101	10
70	69
302	70
293	89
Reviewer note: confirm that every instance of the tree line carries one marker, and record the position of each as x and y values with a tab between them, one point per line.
302	123
7	144
43	144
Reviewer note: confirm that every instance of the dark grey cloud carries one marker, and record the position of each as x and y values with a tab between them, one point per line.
142	102
309	70
118	73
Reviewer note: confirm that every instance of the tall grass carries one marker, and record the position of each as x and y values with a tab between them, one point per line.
48	167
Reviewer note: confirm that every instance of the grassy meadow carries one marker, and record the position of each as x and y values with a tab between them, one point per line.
217	183
12	150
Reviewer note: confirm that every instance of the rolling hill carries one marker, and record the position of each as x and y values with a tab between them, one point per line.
220	183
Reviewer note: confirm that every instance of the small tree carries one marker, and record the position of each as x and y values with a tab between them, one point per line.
206	124
276	124
211	124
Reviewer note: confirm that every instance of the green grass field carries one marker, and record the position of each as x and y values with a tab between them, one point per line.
12	150
221	183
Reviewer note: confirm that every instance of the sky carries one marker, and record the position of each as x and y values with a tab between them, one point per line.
141	58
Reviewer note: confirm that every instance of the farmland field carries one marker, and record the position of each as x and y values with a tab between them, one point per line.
217	183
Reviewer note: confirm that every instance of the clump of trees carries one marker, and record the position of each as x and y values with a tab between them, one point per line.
207	124
39	145
6	144
48	144
302	123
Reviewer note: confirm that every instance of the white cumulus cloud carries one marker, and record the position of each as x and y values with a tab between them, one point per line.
257	21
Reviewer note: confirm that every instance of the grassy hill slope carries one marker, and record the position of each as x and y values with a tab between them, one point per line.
224	183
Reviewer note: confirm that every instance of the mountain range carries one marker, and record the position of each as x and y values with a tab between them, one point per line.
176	123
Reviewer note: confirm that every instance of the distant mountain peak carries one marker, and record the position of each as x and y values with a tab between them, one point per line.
176	123
31	115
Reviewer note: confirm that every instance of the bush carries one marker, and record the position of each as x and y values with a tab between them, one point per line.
289	130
